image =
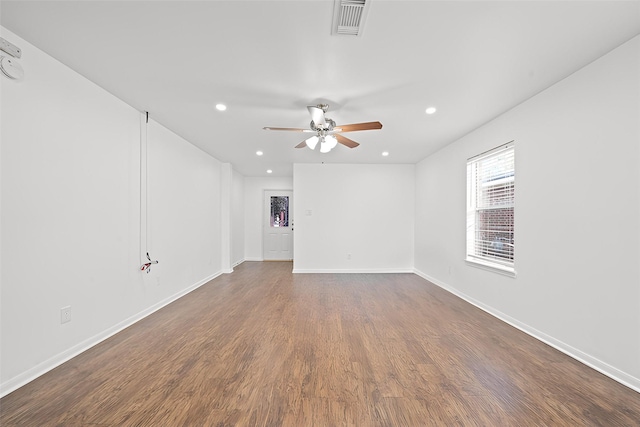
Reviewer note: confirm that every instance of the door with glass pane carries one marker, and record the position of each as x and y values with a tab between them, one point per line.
278	225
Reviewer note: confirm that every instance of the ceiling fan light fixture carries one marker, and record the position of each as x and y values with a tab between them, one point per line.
324	147
332	141
327	143
312	142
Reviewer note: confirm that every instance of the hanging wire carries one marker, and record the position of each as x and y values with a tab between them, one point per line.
144	197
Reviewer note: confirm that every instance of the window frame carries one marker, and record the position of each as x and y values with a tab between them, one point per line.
472	258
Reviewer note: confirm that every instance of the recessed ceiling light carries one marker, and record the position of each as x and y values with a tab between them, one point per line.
269	171
430	110
385	153
221	107
259	153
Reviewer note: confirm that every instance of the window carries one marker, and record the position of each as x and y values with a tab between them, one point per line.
279	211
490	203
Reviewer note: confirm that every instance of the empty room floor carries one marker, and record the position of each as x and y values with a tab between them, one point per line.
264	347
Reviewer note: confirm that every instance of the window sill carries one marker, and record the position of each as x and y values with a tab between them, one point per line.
491	266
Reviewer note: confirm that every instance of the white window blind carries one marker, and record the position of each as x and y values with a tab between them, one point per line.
490	208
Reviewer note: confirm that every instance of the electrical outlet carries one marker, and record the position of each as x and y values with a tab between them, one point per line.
65	314
348	256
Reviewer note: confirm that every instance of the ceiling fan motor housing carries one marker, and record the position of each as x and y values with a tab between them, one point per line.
328	126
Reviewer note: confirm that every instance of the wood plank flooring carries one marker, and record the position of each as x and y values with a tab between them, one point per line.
264	347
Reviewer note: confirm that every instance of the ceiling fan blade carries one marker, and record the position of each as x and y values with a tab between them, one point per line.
317	115
302	144
346	141
359	126
289	129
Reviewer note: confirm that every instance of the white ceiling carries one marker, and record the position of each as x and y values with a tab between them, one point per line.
267	60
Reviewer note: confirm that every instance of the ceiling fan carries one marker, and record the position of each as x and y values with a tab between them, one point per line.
326	131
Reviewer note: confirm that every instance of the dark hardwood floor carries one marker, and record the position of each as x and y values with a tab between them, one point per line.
264	347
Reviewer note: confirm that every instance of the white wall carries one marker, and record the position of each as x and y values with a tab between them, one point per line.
577	216
365	211
254	209
70	222
184	210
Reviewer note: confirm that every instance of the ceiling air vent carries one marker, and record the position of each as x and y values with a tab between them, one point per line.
348	16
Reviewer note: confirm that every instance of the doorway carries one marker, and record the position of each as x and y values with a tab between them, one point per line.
278	225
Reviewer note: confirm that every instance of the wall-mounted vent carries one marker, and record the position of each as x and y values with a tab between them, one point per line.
348	16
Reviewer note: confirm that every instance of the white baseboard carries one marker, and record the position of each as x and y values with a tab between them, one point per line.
253	259
600	366
354	270
57	360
